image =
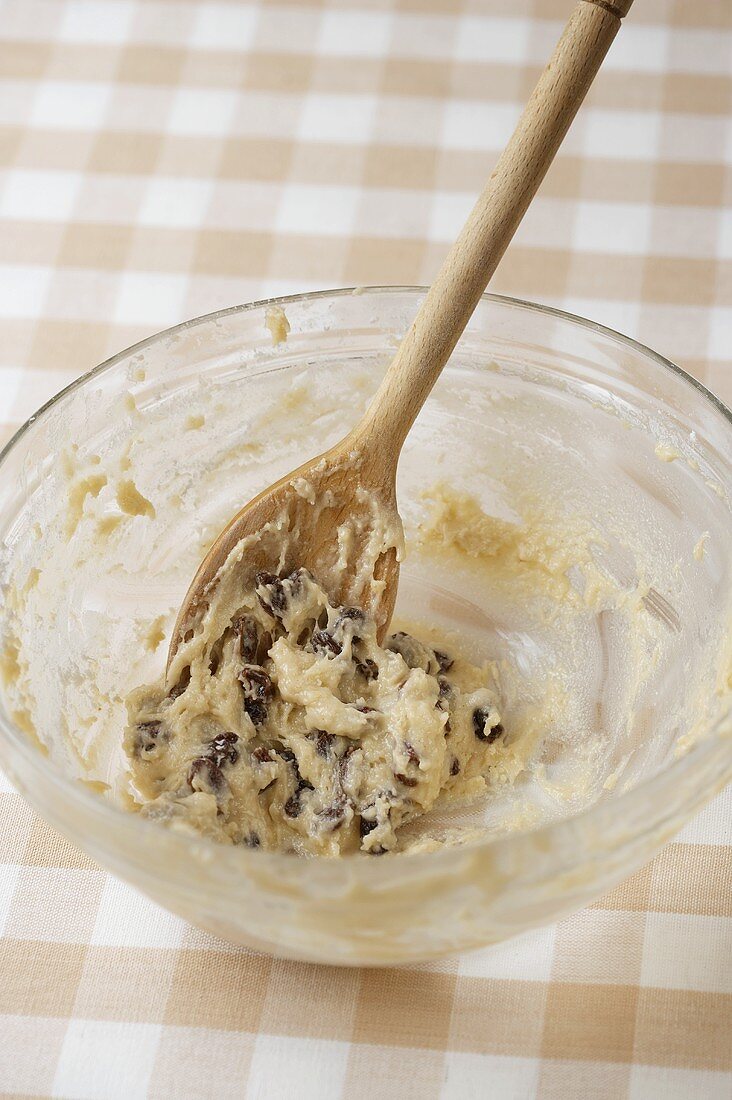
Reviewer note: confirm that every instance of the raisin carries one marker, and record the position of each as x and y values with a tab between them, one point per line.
152	729
296	578
412	652
274	598
293	806
256	710
265	644
248	632
368	669
401	643
344	762
183	682
363	709
323	642
445	688
353	613
263	578
349	614
263	755
217	652
222	749
412	754
207	772
147	736
335	814
251	840
484	732
365	827
256	683
406	780
323	741
443	660
455	767
300	783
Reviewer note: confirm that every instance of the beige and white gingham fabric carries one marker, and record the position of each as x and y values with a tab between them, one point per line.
164	158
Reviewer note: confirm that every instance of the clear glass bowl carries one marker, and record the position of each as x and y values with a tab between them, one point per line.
533	400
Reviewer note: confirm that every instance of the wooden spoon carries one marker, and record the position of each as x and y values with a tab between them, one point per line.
355	481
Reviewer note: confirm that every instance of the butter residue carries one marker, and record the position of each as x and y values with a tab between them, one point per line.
132	502
155	634
666	453
194	421
10	662
31	580
537	551
90	486
276	321
107	524
11	676
701	546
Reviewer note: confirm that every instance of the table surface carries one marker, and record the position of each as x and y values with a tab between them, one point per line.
164	158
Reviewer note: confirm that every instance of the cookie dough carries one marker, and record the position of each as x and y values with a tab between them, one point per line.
295	730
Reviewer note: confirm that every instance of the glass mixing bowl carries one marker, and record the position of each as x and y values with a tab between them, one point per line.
111	492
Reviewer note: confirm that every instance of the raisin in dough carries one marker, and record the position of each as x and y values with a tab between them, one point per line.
294	730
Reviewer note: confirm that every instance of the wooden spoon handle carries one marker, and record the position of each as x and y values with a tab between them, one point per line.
492	223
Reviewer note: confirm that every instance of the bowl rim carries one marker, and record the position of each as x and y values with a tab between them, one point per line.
340	292
134	823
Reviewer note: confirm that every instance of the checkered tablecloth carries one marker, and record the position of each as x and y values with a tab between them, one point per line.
164	158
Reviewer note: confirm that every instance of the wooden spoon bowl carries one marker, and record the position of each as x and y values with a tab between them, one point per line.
302	521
